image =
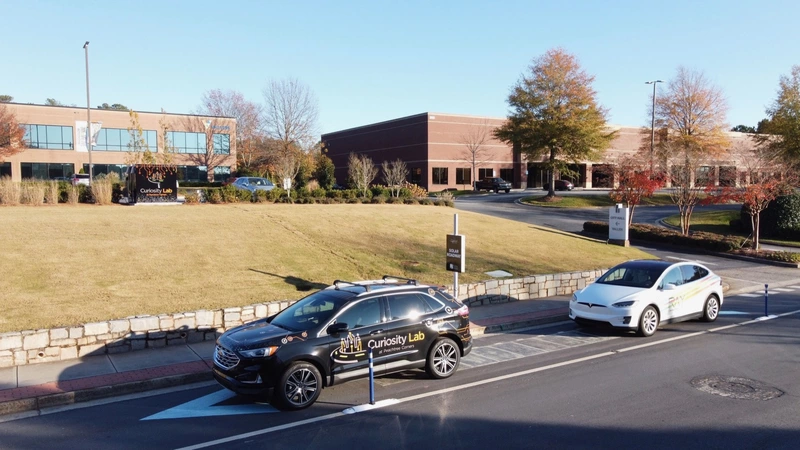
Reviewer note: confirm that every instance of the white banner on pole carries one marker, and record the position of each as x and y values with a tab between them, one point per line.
80	134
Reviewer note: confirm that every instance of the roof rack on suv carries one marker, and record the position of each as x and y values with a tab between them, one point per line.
336	283
407	280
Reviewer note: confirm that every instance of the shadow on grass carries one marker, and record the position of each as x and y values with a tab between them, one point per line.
299	283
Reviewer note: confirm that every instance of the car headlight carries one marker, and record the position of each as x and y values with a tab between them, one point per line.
259	352
574	297
626	304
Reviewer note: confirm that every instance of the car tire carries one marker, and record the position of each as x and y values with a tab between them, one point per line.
299	386
496	190
443	359
711	308
648	322
508	190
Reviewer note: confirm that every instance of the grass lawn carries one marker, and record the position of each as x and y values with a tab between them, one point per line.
719	222
67	265
584	201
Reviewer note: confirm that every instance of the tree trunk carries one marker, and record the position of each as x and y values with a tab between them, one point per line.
755	220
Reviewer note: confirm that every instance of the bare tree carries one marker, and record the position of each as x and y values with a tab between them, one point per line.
249	123
290	114
11	133
214	151
394	174
691	122
362	171
475	140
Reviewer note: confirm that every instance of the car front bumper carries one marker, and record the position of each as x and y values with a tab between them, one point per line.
615	317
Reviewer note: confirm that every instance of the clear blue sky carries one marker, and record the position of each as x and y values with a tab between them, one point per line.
369	61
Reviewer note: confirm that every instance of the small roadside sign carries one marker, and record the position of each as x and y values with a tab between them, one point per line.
455	253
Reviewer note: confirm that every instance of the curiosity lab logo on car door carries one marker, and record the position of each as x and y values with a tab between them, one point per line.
352	349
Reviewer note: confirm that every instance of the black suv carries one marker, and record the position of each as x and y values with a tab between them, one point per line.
324	339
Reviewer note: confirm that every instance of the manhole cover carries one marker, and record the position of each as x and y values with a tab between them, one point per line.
736	387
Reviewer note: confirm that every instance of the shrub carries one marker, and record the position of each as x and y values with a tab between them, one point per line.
338	194
73	194
191	198
379	190
101	190
412	190
10	191
353	200
214	196
262	197
32	193
318	193
205	184
84	194
396	200
51	193
426	201
410	201
781	218
444	195
379	199
118	191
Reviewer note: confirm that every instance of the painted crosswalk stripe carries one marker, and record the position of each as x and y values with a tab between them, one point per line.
749	295
795	287
782	290
734	313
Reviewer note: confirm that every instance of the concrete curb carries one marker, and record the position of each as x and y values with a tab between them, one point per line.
96	393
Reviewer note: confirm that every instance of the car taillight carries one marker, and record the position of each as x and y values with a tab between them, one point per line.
463	311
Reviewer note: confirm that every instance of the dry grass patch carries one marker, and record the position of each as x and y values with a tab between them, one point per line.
64	266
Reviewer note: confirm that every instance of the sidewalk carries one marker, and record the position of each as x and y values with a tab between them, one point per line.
38	386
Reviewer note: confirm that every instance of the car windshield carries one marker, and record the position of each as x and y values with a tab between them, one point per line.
311	311
641	277
259	181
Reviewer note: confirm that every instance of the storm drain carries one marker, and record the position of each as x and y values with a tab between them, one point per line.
736	387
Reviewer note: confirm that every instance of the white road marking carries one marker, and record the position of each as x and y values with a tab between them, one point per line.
795	287
734	313
204	407
748	295
692	260
475	384
782	290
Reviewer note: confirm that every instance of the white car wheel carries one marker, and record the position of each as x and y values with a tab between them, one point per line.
711	309
648	322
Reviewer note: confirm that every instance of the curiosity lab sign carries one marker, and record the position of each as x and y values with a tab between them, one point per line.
153	186
455	253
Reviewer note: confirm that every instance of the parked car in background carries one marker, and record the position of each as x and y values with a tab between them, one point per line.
253	184
641	295
80	178
495	184
561	185
230	180
326	337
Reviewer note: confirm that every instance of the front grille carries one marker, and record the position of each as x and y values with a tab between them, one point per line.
225	358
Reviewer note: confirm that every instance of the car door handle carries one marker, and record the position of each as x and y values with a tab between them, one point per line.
375	332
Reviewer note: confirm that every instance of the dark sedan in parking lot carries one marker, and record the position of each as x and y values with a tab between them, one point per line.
561	185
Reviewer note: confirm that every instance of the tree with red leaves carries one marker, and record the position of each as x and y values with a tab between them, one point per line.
755	197
634	185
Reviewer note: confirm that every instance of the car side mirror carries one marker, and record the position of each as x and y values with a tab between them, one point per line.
669	287
336	328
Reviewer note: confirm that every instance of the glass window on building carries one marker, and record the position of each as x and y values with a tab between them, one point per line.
703	176
119	140
192	173
463	176
507	174
187	142
415	175
105	169
5	169
485	173
52	137
440	175
46	171
222	173
222	144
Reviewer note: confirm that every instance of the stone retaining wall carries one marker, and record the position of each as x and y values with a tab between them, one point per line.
140	332
527	288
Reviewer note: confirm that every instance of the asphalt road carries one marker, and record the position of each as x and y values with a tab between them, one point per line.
554	387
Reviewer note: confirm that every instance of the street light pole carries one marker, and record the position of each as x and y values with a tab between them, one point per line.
653	125
88	113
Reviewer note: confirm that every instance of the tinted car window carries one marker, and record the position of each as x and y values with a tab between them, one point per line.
674	276
693	273
361	314
404	306
309	312
630	276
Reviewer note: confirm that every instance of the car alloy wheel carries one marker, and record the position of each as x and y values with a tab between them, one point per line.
711	309
299	386
648	322
443	358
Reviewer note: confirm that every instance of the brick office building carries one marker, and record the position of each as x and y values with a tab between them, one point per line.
434	146
55	145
